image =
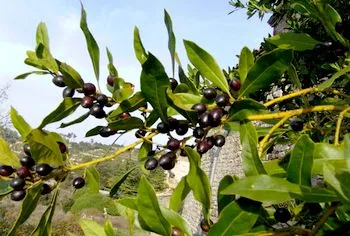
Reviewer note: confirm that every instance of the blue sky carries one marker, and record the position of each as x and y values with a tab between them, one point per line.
112	22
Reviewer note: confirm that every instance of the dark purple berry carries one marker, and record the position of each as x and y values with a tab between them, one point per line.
110	80
6	170
26	149
43	169
297	125
216	114
206	119
18	195
235	84
222	100
89	89
163	128
182	128
102	99
282	215
18	183
209	93
140	133
210	141
106	132
87	102
78	182
198	132
202	147
205	226
97	111
173	123
124	115
219	140
27	161
46	189
167	161
183	153
173	144
23	172
200	108
58	81
173	83
68	92
151	163
62	147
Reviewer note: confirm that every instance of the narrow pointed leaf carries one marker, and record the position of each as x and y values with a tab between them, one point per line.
93	179
207	65
129	105
71	77
184	79
185	101
246	61
154	83
179	194
92	46
7	157
252	164
111	68
300	163
224	200
119	182
94	131
171	40
328	83
140	51
293	76
295	41
126	124
176	220
145	148
66	107
76	121
91	228
42	35
149	209
339	181
108	227
25	75
267	69
19	123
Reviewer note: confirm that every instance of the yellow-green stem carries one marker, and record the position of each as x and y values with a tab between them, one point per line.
291	95
337	130
110	157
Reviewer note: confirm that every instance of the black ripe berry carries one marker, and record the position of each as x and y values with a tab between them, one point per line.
163	128
235	84
205	226
18	195
89	89
173	144
200	108
78	182
151	163
282	215
27	161
26	149
102	99
173	123
167	161
202	147
62	147
198	132
97	111
110	80
140	133
297	125
222	100
182	128
43	169
18	183
106	132
23	172
206	119
58	81
175	232
216	115
46	189
219	140
68	92
209	93
173	83
87	102
6	170
210	141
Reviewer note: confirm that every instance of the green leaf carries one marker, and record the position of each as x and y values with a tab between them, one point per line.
7	157
252	164
25	75
327	153
198	181
76	121
339	181
241	109
172	40
42	35
267	69
328	83
149	209
44	228
5	189
111	68
19	123
145	148
126	124
181	88
44	58
294	41
184	79
44	148
274	168
120	181
66	107
224	200
179	194
206	65
128	105
152	118
108	227
122	90
29	204
91	228
88	200
71	77
93	179
92	46
128	202
300	163
154	83
34	61
176	220
185	101
293	76
246	61
309	194
236	218
94	131
140	51
347	150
